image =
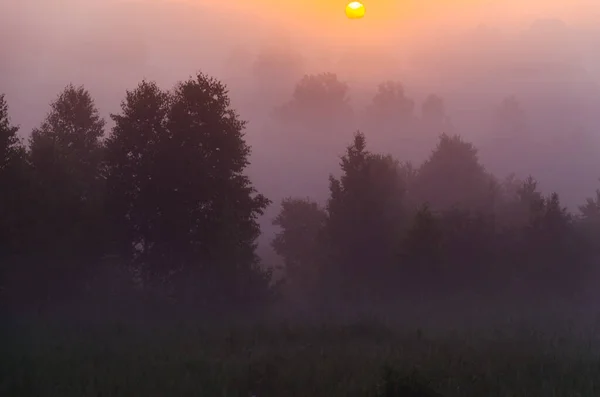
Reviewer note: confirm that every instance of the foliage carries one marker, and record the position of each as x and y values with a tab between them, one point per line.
162	211
13	180
302	222
390	104
167	195
179	198
470	233
453	176
319	100
65	154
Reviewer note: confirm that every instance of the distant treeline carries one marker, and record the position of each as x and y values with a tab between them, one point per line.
162	203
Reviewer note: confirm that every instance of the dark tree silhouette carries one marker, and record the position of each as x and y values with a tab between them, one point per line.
366	216
167	195
299	242
590	211
421	251
14	184
183	209
66	153
453	176
65	236
11	147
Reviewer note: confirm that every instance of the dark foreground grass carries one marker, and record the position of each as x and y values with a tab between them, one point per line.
360	359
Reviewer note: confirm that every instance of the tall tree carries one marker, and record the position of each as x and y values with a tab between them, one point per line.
453	176
66	154
366	216
300	243
14	186
11	147
178	192
131	165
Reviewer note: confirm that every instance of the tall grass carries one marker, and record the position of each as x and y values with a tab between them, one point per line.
285	359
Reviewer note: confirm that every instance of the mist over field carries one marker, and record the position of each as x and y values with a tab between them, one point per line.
411	207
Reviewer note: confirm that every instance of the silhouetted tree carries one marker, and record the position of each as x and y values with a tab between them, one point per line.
519	201
391	106
66	154
300	242
561	263
67	236
131	149
589	226
590	211
453	176
318	101
184	210
421	252
11	147
366	216
14	214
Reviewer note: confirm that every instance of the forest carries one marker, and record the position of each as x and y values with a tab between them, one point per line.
148	230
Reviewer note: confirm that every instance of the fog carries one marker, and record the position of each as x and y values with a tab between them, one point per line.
472	53
128	264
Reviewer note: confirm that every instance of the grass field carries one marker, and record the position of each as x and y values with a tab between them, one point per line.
352	358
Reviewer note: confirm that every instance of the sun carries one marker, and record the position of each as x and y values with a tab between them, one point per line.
355	10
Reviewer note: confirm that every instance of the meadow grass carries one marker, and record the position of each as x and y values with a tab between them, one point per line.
358	358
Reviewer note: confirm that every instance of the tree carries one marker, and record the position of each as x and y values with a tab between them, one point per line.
453	176
299	242
66	154
519	200
589	225
391	117
433	116
508	137
13	183
391	105
366	216
184	210
318	101
421	250
11	147
131	164
561	265
590	211
510	118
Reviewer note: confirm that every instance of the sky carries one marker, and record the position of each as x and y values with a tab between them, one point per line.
472	52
